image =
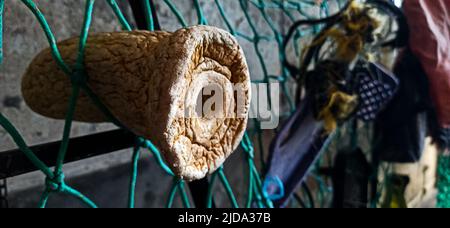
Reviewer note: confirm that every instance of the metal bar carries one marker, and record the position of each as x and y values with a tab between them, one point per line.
199	191
14	162
3	193
155	15
139	13
137	6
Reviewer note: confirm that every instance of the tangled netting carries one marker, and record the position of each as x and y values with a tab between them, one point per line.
256	196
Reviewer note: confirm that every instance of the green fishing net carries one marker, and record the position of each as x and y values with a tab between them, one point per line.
290	9
443	199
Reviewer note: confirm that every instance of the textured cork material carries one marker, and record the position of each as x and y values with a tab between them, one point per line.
149	81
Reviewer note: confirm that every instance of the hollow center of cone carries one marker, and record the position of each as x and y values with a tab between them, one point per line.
210	101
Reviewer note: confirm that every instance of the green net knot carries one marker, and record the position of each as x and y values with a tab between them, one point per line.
79	76
251	153
141	142
56	184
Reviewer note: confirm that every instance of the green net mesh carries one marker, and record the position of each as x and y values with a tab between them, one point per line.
256	196
443	199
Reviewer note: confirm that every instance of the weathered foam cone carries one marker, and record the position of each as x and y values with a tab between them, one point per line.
149	81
